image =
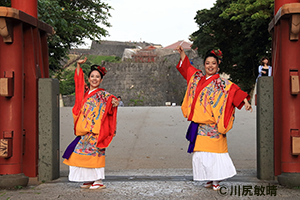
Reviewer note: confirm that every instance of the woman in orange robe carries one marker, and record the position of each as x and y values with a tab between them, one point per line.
94	114
209	104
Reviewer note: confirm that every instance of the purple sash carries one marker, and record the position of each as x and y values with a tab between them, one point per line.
69	150
191	135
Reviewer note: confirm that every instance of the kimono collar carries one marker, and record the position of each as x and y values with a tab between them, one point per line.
88	94
215	76
201	84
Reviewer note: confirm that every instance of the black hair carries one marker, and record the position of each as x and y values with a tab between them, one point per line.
93	68
263	58
210	52
119	97
211	55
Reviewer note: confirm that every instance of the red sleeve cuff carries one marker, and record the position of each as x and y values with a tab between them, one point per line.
239	97
186	70
181	69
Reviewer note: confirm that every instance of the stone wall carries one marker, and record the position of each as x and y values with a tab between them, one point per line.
110	48
147	84
142	84
113	48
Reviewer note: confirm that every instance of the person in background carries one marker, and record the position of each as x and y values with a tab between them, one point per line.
264	69
121	104
209	103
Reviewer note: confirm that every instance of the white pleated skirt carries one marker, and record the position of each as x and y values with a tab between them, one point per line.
209	166
82	174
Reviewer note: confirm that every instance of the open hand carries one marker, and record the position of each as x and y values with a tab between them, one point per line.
79	62
115	102
248	106
82	61
180	50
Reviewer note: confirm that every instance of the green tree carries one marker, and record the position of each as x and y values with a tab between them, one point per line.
5	3
66	78
240	29
72	20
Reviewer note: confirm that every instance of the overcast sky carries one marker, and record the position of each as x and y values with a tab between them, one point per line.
157	21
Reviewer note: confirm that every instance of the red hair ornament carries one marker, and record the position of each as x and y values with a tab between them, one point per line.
102	70
218	53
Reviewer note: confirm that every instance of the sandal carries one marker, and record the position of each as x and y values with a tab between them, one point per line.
208	184
97	186
216	187
86	185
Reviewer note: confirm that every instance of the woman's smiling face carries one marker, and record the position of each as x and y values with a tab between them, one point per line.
94	79
211	66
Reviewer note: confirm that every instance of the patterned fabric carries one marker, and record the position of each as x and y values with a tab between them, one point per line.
205	103
91	113
209	130
214	96
87	146
191	90
211	102
88	126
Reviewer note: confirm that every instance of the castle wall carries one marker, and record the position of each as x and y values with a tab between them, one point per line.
147	84
143	84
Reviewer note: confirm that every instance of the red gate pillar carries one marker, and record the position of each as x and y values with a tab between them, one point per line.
31	74
285	54
28	6
11	114
23	60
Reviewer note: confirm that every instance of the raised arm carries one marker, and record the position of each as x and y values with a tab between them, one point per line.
184	66
79	86
181	52
79	62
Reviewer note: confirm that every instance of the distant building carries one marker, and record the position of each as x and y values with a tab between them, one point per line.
145	55
184	44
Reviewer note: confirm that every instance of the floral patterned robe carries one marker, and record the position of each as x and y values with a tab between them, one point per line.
211	104
95	124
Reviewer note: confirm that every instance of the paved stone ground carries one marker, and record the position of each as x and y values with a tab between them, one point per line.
153	184
148	160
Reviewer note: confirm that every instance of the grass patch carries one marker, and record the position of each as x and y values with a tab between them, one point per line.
18	187
137	102
98	59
